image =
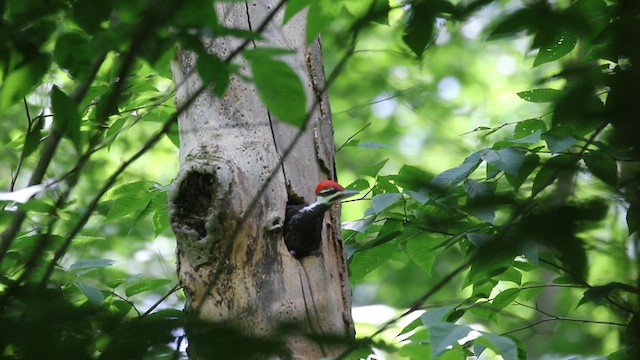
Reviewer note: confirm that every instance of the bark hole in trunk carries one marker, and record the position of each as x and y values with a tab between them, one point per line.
194	201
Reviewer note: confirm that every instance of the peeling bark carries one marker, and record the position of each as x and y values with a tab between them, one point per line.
241	272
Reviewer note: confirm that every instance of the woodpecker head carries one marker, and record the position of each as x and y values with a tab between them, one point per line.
330	192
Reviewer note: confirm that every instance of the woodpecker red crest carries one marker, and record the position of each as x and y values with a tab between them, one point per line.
303	222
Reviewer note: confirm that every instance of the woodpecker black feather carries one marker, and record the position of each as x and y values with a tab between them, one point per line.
303	223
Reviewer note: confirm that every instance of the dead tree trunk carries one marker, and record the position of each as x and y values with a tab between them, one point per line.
236	271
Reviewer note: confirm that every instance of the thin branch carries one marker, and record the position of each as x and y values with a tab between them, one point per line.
175	288
352	136
30	122
585	284
552	317
127	301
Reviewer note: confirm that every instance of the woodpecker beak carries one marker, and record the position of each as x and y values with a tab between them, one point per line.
341	195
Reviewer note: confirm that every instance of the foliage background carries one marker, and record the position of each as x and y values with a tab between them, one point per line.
531	240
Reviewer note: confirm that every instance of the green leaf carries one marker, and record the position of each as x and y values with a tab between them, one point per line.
292	7
602	166
145	285
373	170
419	196
505	298
596	294
371	10
452	177
75	54
362	263
412	178
444	335
595	11
128	189
558	46
89	13
549	172
529	127
90	264
66	117
213	70
436	315
521	20
512	275
412	326
95	296
557	144
501	345
383	201
160	217
529	164
478	190
279	87
508	159
418	31
531	289
321	14
360	225
33	138
421	250
411	351
124	206
569	119
540	95
19	82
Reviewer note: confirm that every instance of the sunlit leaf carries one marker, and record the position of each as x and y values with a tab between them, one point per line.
373	170
558	46
91	264
292	7
528	127
455	175
505	298
145	285
540	95
321	14
19	82
443	335
502	345
436	315
359	225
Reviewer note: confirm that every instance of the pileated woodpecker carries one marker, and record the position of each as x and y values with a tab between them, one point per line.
303	223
